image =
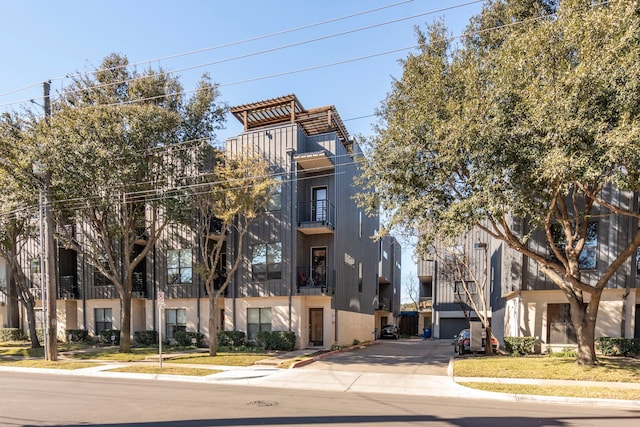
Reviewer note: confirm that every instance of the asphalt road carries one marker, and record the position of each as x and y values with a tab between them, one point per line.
29	399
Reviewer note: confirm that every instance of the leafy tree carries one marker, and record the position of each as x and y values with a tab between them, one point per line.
524	129
17	203
121	148
227	203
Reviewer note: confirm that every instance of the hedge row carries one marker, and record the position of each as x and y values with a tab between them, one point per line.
612	346
269	340
519	346
11	334
276	340
231	338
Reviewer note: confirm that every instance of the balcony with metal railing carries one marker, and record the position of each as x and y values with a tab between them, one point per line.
316	217
425	304
318	278
384	303
68	288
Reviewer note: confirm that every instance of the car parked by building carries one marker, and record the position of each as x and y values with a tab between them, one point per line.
462	342
390	331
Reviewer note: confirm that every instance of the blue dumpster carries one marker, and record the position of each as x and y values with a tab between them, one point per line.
427	333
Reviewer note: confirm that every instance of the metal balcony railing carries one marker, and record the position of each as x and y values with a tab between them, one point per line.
384	303
68	288
425	303
316	278
316	213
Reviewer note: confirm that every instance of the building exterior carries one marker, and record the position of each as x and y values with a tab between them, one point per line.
310	264
522	300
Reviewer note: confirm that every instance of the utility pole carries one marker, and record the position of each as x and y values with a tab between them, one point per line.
50	259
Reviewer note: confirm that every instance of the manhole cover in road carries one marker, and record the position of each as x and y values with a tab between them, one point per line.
262	403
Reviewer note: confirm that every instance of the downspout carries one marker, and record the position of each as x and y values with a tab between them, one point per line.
294	245
633	229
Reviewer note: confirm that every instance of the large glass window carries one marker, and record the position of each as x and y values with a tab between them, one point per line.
320	204
266	261
100	279
179	266
275	201
175	321
104	320
34	272
258	320
587	258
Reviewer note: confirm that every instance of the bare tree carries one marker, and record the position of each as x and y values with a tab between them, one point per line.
470	280
235	193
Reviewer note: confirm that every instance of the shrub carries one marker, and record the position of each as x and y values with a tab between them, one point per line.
565	352
231	339
105	336
184	338
76	335
11	334
519	346
146	338
614	346
277	340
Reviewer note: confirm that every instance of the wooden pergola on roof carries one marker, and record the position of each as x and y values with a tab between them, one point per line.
288	109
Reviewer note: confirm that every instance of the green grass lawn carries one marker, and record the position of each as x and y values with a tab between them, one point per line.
616	369
224	359
167	369
609	369
39	363
564	391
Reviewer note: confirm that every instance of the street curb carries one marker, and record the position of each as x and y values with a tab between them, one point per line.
305	362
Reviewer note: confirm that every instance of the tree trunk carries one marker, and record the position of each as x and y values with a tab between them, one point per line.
31	319
213	323
125	323
583	317
488	348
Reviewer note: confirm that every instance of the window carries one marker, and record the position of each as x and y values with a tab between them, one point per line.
179	268
275	200
587	258
454	254
104	320
175	320
360	277
34	271
360	224
258	320
459	287
100	279
320	204
319	266
266	261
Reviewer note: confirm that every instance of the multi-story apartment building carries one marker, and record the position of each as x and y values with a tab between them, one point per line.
312	266
523	300
309	266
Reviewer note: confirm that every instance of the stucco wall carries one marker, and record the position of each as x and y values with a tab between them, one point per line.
354	326
531	308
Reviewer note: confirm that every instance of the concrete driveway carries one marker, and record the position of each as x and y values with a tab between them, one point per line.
403	356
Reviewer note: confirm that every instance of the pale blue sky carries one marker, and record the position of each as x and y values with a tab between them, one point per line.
46	40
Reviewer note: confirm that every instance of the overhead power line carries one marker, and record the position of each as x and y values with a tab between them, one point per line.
270	50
